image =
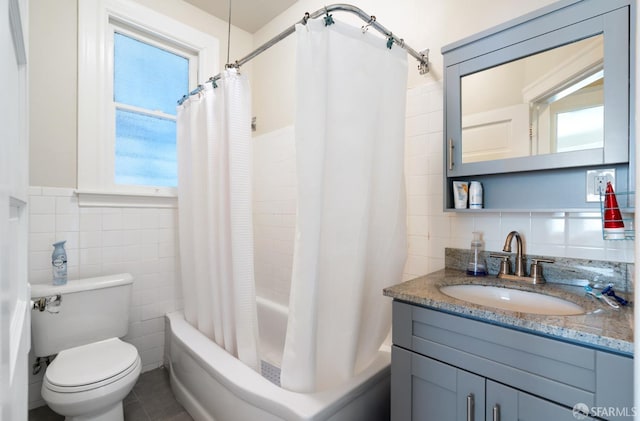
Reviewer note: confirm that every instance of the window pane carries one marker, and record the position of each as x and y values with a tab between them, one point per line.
580	129
148	77
145	150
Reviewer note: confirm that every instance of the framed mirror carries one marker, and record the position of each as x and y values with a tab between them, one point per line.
549	102
548	91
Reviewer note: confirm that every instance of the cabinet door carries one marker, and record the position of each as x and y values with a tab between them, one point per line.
470	396
504	403
614	386
531	408
501	403
423	389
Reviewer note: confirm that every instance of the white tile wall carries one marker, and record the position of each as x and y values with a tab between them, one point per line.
274	214
100	241
563	234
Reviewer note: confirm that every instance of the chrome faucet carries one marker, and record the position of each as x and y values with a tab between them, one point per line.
518	269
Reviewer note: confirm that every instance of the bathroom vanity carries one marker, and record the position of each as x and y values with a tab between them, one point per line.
507	93
455	360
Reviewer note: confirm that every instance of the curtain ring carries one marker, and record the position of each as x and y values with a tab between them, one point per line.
365	27
328	19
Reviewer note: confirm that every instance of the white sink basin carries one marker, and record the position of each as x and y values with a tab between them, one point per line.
513	299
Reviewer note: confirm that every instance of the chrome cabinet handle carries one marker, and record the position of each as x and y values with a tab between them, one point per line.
451	146
496	412
470	407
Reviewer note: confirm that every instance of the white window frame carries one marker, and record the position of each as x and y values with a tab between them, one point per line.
96	123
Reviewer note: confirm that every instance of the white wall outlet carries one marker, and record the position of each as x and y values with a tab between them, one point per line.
597	183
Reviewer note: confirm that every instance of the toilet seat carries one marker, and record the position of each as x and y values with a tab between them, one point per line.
91	366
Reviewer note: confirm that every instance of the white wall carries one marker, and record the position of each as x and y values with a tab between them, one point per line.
53	79
53	60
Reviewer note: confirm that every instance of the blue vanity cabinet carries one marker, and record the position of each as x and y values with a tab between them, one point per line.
448	367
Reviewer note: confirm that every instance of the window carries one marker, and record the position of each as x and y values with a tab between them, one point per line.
134	64
147	79
580	129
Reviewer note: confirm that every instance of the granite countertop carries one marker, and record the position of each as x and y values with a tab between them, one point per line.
601	326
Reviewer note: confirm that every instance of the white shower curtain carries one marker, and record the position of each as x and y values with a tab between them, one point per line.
215	217
351	229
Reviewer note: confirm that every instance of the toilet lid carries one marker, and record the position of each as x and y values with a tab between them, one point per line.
91	363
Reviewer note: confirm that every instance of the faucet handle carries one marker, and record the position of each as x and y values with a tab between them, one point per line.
505	264
536	270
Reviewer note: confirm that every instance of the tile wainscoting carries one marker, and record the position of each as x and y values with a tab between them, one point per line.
106	240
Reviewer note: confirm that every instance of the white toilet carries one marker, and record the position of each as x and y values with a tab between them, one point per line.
94	370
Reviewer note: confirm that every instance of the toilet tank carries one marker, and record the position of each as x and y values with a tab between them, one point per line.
91	309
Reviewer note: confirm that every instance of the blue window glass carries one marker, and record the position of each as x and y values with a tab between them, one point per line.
151	79
147	76
145	150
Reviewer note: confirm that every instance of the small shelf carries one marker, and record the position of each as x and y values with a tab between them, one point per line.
627	212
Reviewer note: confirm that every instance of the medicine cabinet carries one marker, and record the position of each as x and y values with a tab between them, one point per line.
531	104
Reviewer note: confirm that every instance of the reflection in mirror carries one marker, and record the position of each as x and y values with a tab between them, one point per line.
550	102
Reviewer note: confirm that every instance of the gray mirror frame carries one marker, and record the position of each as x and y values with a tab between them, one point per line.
559	24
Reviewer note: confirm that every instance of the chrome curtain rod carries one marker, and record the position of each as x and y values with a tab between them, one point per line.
422	56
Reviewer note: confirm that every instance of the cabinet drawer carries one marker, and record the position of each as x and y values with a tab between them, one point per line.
554	370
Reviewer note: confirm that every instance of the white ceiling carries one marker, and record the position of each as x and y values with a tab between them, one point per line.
249	15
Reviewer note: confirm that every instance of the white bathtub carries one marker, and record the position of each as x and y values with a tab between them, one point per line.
212	385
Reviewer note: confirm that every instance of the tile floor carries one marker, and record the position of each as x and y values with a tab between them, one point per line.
150	400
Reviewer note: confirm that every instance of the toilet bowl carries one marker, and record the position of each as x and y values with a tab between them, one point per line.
89	382
93	370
